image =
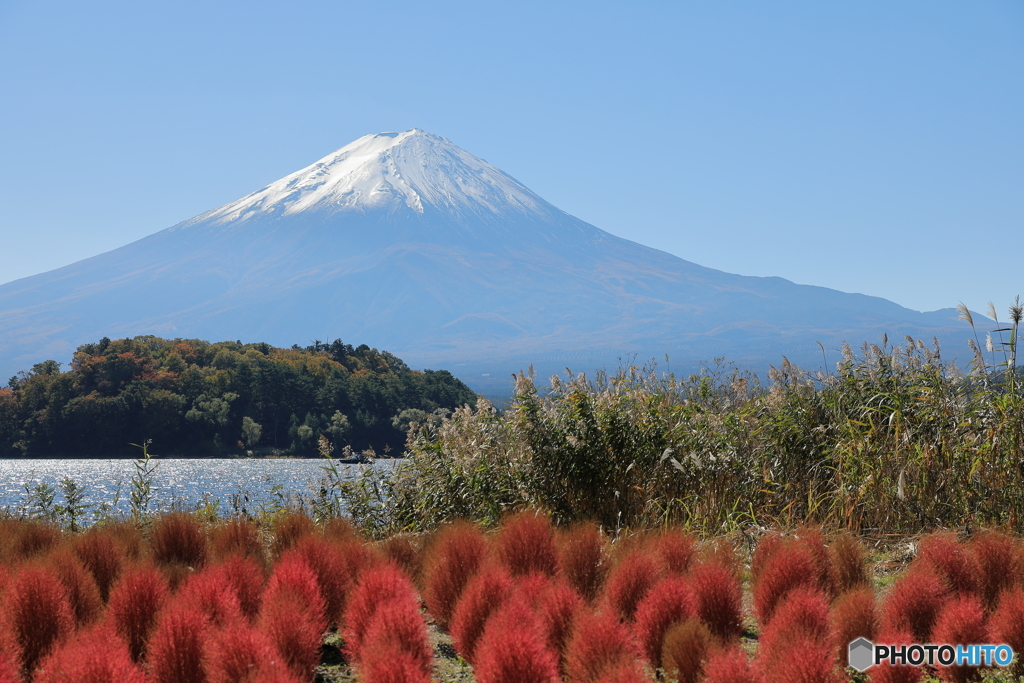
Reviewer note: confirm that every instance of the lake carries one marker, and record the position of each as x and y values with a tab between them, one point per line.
252	485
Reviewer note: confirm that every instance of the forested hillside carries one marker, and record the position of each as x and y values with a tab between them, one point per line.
193	397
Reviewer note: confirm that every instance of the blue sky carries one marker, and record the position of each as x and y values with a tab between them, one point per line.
872	147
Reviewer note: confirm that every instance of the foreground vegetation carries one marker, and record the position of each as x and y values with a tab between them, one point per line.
193	397
183	598
894	441
611	583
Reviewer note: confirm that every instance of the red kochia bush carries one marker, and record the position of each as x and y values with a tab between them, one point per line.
802	616
512	648
10	654
961	622
176	648
356	557
36	611
96	656
886	673
276	675
239	653
847	556
718	598
952	561
293	582
853	616
340	530
453	558
388	664
326	561
676	550
730	666
292	615
796	644
238	536
789	567
554	602
484	594
403	550
83	594
34	538
599	646
289	529
134	604
102	556
628	582
532	586
128	537
913	603
295	632
1007	625
996	556
685	650
766	548
670	601
625	672
721	552
526	544
824	571
557	607
212	594
379	586
245	577
178	539
392	641
583	559
814	662
397	626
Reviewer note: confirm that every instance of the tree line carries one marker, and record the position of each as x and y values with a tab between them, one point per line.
194	397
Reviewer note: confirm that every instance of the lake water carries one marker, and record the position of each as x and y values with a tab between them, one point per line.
250	484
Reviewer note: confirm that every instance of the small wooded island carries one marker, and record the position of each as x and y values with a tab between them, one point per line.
194	397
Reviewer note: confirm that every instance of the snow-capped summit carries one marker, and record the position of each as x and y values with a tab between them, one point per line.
414	169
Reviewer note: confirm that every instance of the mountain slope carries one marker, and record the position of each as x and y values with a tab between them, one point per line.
406	242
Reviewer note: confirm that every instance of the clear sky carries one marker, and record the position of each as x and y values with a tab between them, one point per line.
872	147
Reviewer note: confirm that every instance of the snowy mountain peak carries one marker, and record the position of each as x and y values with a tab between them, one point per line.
409	171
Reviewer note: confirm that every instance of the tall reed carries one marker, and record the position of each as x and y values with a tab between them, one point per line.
896	438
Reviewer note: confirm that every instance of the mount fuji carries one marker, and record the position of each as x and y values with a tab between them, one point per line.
406	242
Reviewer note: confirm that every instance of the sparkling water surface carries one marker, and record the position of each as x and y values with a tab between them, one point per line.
177	483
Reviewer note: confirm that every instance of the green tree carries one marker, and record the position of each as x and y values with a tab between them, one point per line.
251	431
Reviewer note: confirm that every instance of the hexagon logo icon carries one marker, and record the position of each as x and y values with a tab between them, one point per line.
861	653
